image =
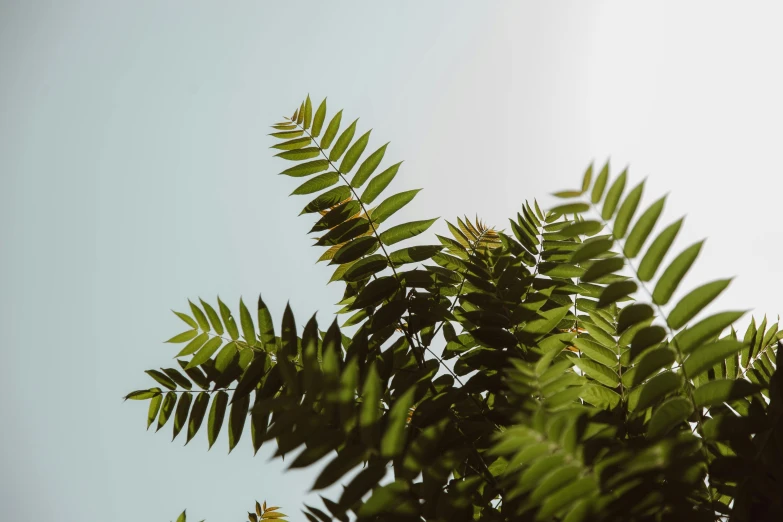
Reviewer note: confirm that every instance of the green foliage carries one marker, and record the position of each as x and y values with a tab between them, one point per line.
497	376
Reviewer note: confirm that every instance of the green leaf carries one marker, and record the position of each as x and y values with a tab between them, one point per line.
571	208
317	183
633	314
379	183
343	232
183	337
581	228
308	113
327	200
300	114
587	178
603	267
405	231
194	345
613	196
318	120
600	396
370	412
181	415
228	319
393	440
365	267
392	204
299	154
182	517
547	320
152	412
188	320
354	153
205	352
342	142
331	130
266	327
413	254
393	498
671	277
591	249
657	387
375	292
627	210
705	329
197	415
597	371
600	184
616	291
250	379
705	356
287	135
668	415
596	352
354	250
646	337
214	319
141	395
642	228
162	378
246	320
165	411
216	414
719	391
306	169
226	356
564	497
337	215
294	144
236	420
650	363
367	167
694	302
658	249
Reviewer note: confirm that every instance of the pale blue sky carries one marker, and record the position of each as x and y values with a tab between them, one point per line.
136	174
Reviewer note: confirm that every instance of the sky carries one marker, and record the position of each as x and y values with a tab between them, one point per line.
135	173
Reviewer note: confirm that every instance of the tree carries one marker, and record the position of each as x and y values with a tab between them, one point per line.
564	389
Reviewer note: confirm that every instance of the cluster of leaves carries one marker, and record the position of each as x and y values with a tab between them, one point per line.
566	384
262	512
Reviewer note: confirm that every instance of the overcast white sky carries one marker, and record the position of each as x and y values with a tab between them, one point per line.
135	173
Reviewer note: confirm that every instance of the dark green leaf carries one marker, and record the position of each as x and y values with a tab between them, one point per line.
603	267
318	120
695	301
669	414
641	230
413	254
600	184
367	167
591	249
658	249
216	414
228	319
152	412
236	420
649	364
354	153
616	291
705	329
317	183
392	204
633	314
181	415
165	411
197	414
657	387
627	210
705	356
162	378
722	390
266	327
205	352
306	169
343	232
405	231
375	292
342	142
246	320
365	267
354	250
141	395
379	183
294	144
671	277
613	196
327	200
299	154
